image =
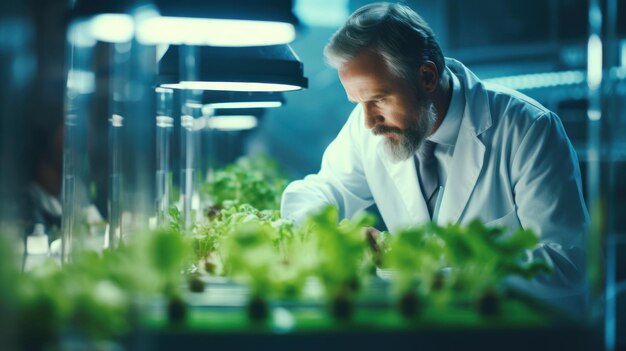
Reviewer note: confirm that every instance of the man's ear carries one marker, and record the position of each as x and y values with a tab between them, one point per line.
428	76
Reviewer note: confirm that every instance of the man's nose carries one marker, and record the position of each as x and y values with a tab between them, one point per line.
372	116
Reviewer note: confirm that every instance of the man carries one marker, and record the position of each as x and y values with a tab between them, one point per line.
428	140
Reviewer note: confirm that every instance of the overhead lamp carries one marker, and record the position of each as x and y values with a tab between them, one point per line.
248	69
189	22
257	112
233	122
233	119
238	99
110	21
245	104
228	23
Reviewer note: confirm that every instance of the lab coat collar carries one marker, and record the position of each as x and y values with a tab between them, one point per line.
476	115
448	131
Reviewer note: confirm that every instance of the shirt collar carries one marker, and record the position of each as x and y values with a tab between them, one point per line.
448	131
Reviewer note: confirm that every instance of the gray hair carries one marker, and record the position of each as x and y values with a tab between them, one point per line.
396	32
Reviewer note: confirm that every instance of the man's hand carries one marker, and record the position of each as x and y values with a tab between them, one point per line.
371	236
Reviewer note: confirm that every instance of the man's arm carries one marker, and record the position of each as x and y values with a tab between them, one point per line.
548	195
341	180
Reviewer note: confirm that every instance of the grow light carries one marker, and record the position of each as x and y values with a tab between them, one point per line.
245	104
233	123
247	69
212	31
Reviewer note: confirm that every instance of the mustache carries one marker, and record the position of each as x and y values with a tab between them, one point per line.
379	130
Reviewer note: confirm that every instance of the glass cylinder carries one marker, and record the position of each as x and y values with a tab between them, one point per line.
110	98
192	123
114	233
79	94
164	124
133	96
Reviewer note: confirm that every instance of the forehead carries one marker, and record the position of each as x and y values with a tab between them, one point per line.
365	75
366	65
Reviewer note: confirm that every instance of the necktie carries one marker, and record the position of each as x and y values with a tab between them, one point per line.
427	174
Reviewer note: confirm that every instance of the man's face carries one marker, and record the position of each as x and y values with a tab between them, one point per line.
393	106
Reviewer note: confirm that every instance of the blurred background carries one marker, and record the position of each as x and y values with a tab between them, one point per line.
539	47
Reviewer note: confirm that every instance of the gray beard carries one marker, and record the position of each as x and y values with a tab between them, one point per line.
410	140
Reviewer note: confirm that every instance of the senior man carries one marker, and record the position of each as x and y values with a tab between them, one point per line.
428	140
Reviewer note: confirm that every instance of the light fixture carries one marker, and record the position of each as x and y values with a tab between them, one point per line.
257	112
233	122
232	119
245	104
237	99
216	32
189	22
237	86
248	69
107	21
540	80
228	23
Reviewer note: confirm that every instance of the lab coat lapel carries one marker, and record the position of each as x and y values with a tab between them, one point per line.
404	176
465	168
469	151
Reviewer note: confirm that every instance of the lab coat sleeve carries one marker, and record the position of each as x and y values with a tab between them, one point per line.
340	182
548	195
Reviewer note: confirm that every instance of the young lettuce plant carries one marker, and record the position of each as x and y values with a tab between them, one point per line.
457	264
150	264
481	257
209	235
208	239
340	252
255	181
251	257
95	295
414	256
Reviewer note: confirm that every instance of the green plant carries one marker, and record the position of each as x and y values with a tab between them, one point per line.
340	250
95	294
209	235
464	263
255	181
250	256
481	257
415	256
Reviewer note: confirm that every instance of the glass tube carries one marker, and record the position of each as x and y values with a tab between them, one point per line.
133	100
601	54
164	124
116	122
80	89
191	122
603	120
127	69
118	75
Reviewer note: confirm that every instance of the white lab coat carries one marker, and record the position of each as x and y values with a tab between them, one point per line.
513	166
